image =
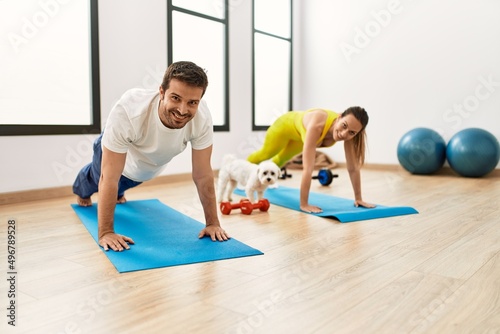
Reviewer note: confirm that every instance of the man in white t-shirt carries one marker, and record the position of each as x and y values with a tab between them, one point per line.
144	131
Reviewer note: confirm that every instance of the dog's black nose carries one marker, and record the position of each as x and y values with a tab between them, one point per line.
268	179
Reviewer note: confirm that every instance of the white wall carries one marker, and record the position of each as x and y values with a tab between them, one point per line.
427	59
413	64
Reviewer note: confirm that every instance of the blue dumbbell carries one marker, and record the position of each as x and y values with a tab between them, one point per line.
325	176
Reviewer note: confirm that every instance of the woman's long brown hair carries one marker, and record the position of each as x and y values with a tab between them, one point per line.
359	140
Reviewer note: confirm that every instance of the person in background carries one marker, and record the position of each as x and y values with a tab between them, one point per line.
303	131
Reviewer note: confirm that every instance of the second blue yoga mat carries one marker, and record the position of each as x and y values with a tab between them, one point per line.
333	207
163	237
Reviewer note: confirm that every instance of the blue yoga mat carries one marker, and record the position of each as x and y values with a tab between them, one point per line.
333	207
163	237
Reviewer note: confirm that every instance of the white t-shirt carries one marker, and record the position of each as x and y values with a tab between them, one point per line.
134	127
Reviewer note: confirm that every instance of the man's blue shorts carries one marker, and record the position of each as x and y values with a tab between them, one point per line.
87	181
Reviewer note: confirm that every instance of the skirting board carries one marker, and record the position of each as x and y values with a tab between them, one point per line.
57	192
48	193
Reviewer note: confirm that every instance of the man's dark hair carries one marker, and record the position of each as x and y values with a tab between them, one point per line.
187	72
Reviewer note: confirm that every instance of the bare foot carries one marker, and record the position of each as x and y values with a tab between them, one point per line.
83	201
121	200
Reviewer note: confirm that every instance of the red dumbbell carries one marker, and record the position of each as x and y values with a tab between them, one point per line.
226	207
247	207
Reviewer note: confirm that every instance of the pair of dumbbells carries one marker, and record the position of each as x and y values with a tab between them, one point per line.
245	206
325	177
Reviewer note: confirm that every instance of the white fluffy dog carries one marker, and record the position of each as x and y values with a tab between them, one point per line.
254	178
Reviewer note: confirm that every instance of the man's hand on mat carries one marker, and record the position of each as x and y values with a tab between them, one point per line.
116	242
215	232
364	204
311	208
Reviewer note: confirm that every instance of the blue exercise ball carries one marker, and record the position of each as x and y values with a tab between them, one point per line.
473	152
422	151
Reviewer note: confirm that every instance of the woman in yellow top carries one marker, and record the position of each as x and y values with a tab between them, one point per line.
304	131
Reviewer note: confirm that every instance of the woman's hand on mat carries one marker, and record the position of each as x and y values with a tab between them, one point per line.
116	242
215	232
363	204
310	208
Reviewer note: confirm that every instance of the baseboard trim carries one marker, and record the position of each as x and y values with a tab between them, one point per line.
34	195
57	192
445	170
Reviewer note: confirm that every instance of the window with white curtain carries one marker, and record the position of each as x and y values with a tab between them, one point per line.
198	32
272	61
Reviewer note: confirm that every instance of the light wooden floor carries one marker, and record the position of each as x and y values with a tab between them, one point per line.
435	272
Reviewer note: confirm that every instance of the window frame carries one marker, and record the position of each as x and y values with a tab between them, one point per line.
95	95
290	86
225	21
